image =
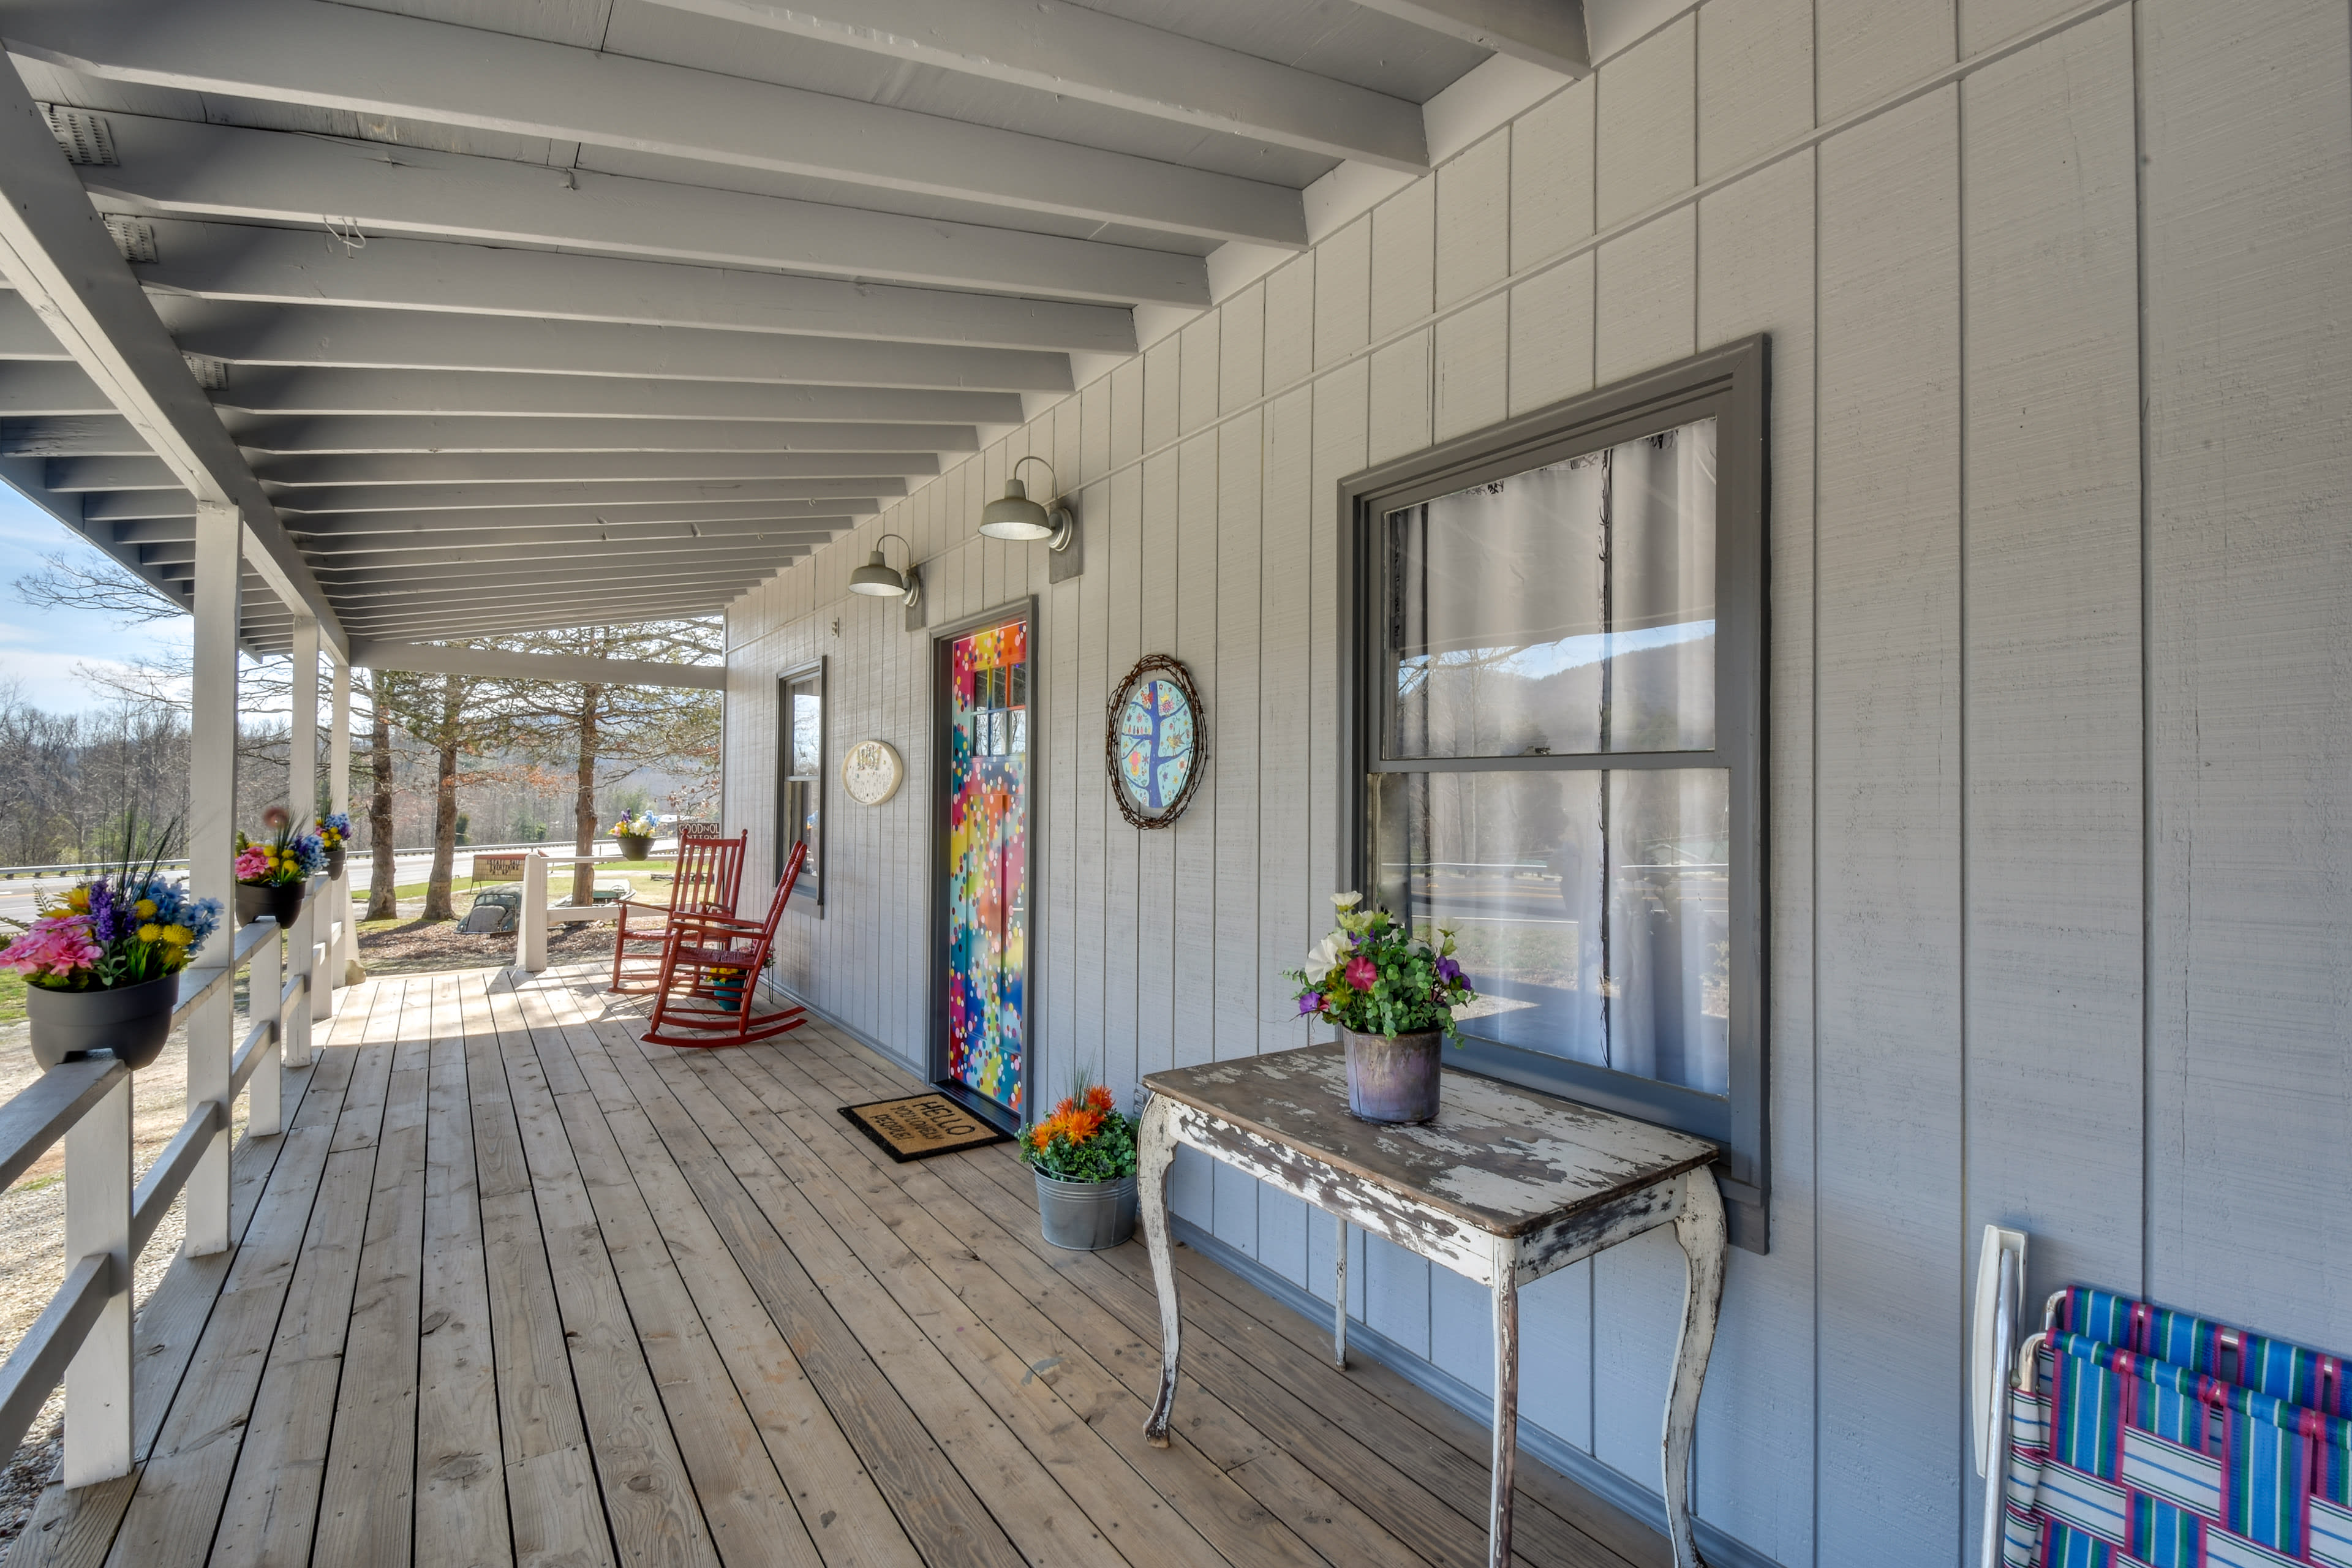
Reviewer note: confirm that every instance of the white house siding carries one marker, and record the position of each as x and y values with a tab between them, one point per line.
2061	749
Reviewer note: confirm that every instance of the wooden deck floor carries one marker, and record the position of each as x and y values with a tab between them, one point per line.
515	1289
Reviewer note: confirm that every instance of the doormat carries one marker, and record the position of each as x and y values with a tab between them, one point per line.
922	1125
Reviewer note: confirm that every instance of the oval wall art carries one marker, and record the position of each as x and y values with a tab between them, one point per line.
1157	741
871	771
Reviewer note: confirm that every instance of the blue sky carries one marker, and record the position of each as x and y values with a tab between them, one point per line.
39	648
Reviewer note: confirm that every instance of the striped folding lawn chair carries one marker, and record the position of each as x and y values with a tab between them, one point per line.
2145	1436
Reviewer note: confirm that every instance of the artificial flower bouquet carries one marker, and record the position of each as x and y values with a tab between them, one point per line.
335	830
1087	1139
286	857
1372	976
634	825
100	962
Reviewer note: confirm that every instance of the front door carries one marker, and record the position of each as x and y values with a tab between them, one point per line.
987	791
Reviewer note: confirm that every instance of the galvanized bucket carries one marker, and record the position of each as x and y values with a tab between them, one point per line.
1395	1081
1086	1217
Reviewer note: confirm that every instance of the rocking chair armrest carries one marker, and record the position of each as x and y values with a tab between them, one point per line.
680	919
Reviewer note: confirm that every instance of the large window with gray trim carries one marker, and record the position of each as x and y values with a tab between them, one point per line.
800	778
1556	706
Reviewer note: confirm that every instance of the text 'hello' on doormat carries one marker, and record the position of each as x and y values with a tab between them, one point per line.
922	1125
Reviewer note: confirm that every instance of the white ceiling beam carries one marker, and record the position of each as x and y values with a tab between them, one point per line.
56	251
110	474
452	394
613	614
306	335
128	506
287	477
401	433
462	613
578	668
247	263
170	167
23	335
71	435
373	63
531	545
569	562
1072	52
1547	33
328	552
372	592
401	600
349	524
309	503
34	390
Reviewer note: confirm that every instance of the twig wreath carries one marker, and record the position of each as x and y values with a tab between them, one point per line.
1155	741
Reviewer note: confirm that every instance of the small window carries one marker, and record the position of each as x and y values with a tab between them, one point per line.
800	796
1557	652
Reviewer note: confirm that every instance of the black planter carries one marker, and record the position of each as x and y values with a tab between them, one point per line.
130	1023
635	846
280	901
335	860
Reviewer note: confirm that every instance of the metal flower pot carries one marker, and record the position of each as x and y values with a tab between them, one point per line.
635	846
130	1023
1086	1217
1394	1080
280	900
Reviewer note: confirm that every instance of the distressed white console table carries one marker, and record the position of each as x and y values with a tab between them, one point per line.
1502	1187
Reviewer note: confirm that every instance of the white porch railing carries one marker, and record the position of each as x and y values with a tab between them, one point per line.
85	1335
533	919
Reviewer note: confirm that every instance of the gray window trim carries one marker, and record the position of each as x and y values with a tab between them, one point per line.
1731	383
811	899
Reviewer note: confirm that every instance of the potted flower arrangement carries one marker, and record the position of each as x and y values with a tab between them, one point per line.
1391	997
273	875
1084	1158
635	833
101	964
334	831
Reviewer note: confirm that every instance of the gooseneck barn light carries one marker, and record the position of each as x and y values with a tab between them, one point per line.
1016	517
876	578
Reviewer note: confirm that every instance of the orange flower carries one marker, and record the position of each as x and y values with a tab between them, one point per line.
1068	1121
1098	1098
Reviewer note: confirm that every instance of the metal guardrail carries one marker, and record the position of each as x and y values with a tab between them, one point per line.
76	868
108	1222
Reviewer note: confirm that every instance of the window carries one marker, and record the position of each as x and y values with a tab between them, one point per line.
799	792
1556	709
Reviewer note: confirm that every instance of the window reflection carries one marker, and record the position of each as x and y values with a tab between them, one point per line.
1591	908
1569	609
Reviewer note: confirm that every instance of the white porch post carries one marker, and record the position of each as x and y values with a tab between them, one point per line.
530	921
212	811
344	949
302	800
98	1224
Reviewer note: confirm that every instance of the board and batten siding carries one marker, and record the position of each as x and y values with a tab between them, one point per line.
2060	768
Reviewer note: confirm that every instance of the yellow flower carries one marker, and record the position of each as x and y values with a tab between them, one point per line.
77	898
143	909
150	932
178	935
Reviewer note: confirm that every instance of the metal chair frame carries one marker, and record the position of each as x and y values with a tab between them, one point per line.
709	873
701	945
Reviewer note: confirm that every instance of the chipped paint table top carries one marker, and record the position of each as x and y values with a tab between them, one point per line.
1502	1159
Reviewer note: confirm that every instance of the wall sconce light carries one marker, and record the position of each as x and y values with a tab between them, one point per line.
1018	518
877	579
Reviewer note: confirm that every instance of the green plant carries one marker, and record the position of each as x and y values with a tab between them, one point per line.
1085	1140
1375	977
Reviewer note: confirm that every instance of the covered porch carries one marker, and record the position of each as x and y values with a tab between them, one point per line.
512	1287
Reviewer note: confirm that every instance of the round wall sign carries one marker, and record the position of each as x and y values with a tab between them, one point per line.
1158	742
871	771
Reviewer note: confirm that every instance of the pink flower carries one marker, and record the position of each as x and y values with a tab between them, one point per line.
1361	975
251	863
60	945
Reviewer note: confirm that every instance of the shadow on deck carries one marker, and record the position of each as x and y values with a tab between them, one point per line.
514	1288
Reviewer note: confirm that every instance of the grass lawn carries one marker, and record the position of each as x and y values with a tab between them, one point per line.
12	996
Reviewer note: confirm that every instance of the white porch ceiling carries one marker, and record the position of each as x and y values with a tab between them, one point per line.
518	314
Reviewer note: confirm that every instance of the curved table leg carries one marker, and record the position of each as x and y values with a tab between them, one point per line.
1502	1477
1698	1227
1155	1153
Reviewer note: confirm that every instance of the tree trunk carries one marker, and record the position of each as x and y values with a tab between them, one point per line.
583	800
382	905
438	903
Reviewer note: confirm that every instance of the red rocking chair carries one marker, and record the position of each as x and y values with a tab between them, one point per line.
710	976
710	871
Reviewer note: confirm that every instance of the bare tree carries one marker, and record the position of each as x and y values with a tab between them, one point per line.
95	582
383	904
606	732
447	716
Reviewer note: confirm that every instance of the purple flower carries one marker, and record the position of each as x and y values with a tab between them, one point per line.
1310	1003
1448	972
102	911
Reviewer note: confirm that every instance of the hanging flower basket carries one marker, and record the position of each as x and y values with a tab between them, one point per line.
130	1023
635	834
334	831
280	900
272	875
